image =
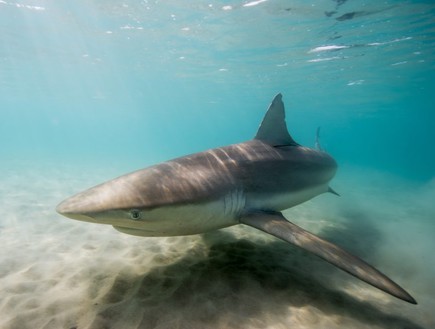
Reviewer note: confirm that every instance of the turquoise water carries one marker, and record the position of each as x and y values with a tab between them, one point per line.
92	89
152	80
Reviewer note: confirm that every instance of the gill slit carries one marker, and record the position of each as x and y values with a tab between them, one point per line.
234	203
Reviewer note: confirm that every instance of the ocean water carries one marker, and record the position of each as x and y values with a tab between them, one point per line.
90	90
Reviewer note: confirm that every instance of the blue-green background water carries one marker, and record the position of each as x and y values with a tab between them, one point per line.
93	89
148	80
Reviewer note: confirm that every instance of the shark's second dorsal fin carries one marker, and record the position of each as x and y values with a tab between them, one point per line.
273	128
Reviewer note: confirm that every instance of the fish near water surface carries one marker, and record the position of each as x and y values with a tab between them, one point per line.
247	183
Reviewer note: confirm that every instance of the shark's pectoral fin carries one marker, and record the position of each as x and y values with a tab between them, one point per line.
274	223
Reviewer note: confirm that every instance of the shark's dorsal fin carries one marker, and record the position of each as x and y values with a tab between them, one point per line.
273	128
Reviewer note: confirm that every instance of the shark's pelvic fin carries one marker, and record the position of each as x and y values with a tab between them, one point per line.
273	128
330	190
274	223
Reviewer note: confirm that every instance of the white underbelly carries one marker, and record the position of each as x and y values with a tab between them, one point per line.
203	217
282	201
189	219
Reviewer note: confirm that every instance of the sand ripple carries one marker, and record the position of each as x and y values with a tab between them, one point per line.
58	273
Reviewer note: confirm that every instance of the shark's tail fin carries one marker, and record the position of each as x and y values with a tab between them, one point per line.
330	190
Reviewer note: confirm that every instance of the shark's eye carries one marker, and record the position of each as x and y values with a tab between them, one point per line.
134	214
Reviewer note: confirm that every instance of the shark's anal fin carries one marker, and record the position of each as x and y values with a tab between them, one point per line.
274	223
273	128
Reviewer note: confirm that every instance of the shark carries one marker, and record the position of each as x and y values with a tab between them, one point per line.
249	183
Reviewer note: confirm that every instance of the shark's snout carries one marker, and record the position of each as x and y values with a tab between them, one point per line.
70	209
81	206
88	205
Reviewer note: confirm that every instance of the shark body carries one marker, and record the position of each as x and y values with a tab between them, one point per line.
247	183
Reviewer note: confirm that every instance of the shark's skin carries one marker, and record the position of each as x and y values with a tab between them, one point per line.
247	183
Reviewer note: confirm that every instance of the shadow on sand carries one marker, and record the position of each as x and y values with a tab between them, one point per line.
243	284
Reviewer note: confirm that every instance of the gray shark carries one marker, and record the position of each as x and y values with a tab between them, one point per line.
248	183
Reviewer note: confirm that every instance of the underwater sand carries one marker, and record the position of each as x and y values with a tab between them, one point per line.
60	273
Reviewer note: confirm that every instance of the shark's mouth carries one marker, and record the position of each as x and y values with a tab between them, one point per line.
135	231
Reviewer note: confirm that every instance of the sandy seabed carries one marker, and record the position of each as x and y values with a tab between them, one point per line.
60	273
